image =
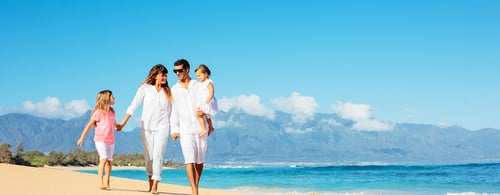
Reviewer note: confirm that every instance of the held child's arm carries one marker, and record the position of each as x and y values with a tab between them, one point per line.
210	93
117	125
85	131
123	123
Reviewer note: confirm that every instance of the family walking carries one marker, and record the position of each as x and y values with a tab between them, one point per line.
185	109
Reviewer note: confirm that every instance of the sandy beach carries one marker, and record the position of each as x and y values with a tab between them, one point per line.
15	179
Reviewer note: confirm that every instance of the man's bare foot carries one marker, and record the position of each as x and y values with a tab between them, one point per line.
202	133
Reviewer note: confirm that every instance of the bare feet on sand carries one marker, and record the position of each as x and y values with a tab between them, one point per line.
210	130
102	187
150	184
154	189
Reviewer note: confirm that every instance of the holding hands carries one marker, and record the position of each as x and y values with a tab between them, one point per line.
174	136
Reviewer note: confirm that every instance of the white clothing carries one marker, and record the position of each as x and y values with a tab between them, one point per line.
155	122
104	150
194	148
185	122
154	149
211	108
183	119
156	109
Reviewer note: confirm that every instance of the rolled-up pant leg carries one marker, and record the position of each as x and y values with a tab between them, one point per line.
154	149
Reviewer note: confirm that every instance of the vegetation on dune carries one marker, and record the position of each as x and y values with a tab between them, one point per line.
77	157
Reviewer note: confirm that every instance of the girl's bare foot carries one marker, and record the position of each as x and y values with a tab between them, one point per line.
210	130
202	133
107	184
102	187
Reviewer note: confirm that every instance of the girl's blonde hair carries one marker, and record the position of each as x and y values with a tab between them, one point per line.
151	79
103	101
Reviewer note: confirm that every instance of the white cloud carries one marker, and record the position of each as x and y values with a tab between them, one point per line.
330	122
297	131
302	108
444	124
249	104
372	125
361	115
231	122
51	107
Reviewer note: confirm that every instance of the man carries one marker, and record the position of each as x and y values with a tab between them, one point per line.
185	125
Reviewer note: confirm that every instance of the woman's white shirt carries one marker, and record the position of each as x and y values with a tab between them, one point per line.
156	108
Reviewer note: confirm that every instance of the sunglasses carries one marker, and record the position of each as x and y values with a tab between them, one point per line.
178	71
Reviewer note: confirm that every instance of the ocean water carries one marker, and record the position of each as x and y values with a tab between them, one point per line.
464	179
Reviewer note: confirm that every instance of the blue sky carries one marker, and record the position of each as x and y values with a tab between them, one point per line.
376	62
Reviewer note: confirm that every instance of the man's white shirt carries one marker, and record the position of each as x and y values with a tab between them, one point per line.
183	119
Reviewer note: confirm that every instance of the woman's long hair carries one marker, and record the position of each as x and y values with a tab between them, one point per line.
151	79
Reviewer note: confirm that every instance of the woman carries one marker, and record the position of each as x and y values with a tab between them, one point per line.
154	93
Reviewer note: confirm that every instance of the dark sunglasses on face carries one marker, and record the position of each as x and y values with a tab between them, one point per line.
178	71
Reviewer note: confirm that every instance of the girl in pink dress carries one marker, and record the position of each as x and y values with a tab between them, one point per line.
103	119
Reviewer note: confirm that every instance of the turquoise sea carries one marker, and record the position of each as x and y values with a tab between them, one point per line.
463	179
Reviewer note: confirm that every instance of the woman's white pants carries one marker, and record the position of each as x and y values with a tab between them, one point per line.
154	149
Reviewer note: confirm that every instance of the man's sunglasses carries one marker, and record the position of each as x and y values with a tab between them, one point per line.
178	71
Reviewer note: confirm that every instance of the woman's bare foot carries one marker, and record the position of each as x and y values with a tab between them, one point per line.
150	184
154	189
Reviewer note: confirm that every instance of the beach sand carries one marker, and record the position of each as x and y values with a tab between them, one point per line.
15	179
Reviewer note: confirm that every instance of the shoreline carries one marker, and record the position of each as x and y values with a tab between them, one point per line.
76	168
17	179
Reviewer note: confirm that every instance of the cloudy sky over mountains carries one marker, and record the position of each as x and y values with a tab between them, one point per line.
376	63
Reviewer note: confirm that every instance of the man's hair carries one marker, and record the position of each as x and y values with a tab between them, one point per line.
183	62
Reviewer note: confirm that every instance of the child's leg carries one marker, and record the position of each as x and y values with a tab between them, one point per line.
210	126
108	172
203	126
103	157
100	174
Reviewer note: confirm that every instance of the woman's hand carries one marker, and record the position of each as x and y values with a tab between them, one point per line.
174	136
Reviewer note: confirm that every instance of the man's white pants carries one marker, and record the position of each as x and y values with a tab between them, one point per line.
194	148
154	148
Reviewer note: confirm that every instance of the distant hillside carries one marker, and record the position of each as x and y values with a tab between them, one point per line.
245	138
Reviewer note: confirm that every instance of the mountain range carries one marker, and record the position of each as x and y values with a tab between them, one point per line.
243	138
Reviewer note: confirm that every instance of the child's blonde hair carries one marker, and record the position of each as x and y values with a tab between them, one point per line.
103	101
203	69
